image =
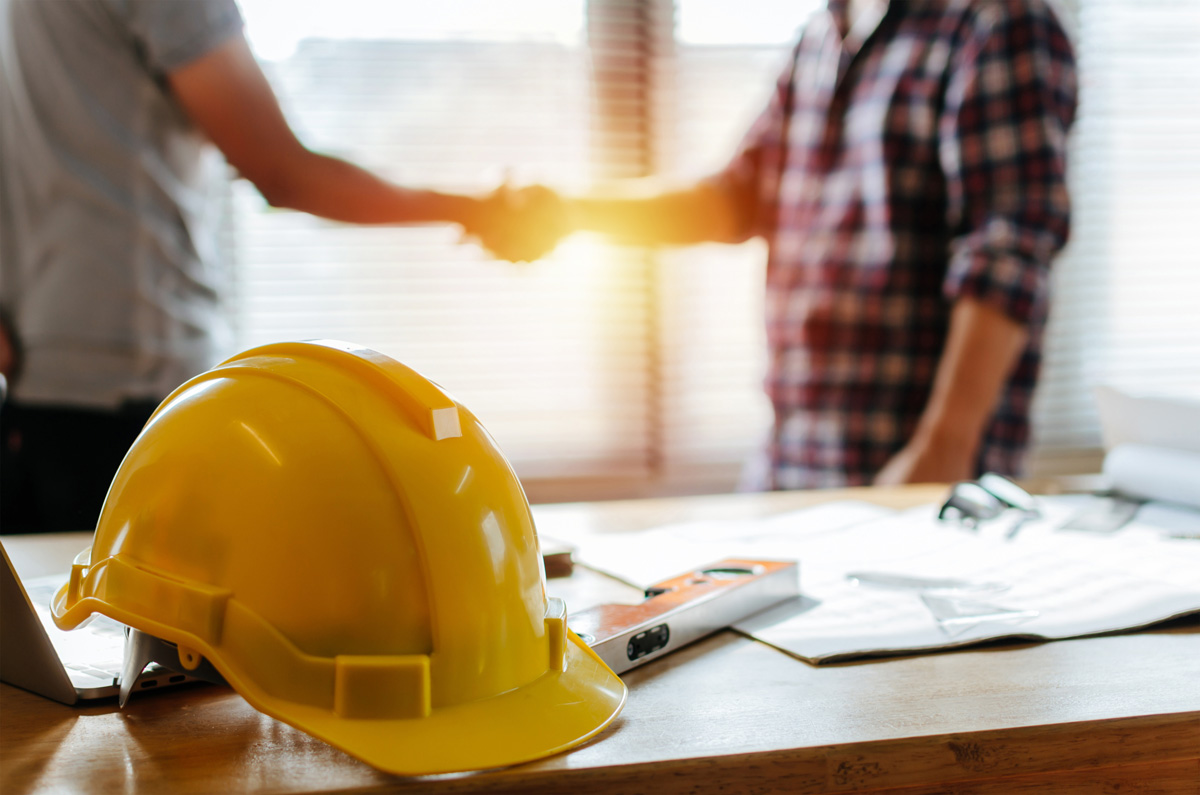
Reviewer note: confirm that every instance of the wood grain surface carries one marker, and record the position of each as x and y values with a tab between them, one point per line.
1116	714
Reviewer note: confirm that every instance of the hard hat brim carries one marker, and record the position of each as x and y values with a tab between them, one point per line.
556	712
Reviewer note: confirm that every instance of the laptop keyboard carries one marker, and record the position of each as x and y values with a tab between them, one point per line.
106	673
101	644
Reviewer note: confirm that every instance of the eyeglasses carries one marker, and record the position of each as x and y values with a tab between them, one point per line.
974	501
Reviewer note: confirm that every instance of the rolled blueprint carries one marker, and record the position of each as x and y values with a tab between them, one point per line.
1154	473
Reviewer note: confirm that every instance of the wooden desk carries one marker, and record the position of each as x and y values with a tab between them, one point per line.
1113	714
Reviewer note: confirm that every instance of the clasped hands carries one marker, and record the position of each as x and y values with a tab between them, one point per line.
520	224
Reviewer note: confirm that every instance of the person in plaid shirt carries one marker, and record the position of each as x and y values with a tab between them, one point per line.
908	174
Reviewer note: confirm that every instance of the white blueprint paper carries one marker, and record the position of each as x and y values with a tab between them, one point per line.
1044	583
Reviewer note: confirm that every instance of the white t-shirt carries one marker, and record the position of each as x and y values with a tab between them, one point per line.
109	264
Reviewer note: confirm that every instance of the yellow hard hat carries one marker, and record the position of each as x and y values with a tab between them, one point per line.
350	549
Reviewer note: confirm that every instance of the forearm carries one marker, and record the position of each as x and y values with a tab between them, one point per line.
982	348
701	213
341	191
228	98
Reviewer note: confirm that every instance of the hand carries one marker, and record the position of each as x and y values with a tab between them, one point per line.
926	462
520	224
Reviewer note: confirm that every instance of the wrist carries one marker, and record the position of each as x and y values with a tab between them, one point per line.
466	211
955	440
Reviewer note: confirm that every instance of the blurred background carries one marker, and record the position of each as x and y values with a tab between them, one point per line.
607	372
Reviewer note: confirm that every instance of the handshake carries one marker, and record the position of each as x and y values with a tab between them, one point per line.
520	224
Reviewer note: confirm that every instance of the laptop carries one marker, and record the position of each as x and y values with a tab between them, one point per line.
71	667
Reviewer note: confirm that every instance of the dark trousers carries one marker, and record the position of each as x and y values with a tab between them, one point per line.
56	464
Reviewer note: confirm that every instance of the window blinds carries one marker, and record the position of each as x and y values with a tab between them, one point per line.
1127	285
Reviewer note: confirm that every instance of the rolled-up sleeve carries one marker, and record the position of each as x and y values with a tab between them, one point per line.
1010	102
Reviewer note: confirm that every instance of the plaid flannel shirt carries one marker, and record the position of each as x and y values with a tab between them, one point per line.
926	166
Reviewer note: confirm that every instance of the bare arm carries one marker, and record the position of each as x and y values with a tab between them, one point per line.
227	96
701	213
727	208
982	348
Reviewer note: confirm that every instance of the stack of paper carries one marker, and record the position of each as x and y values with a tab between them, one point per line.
1152	444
